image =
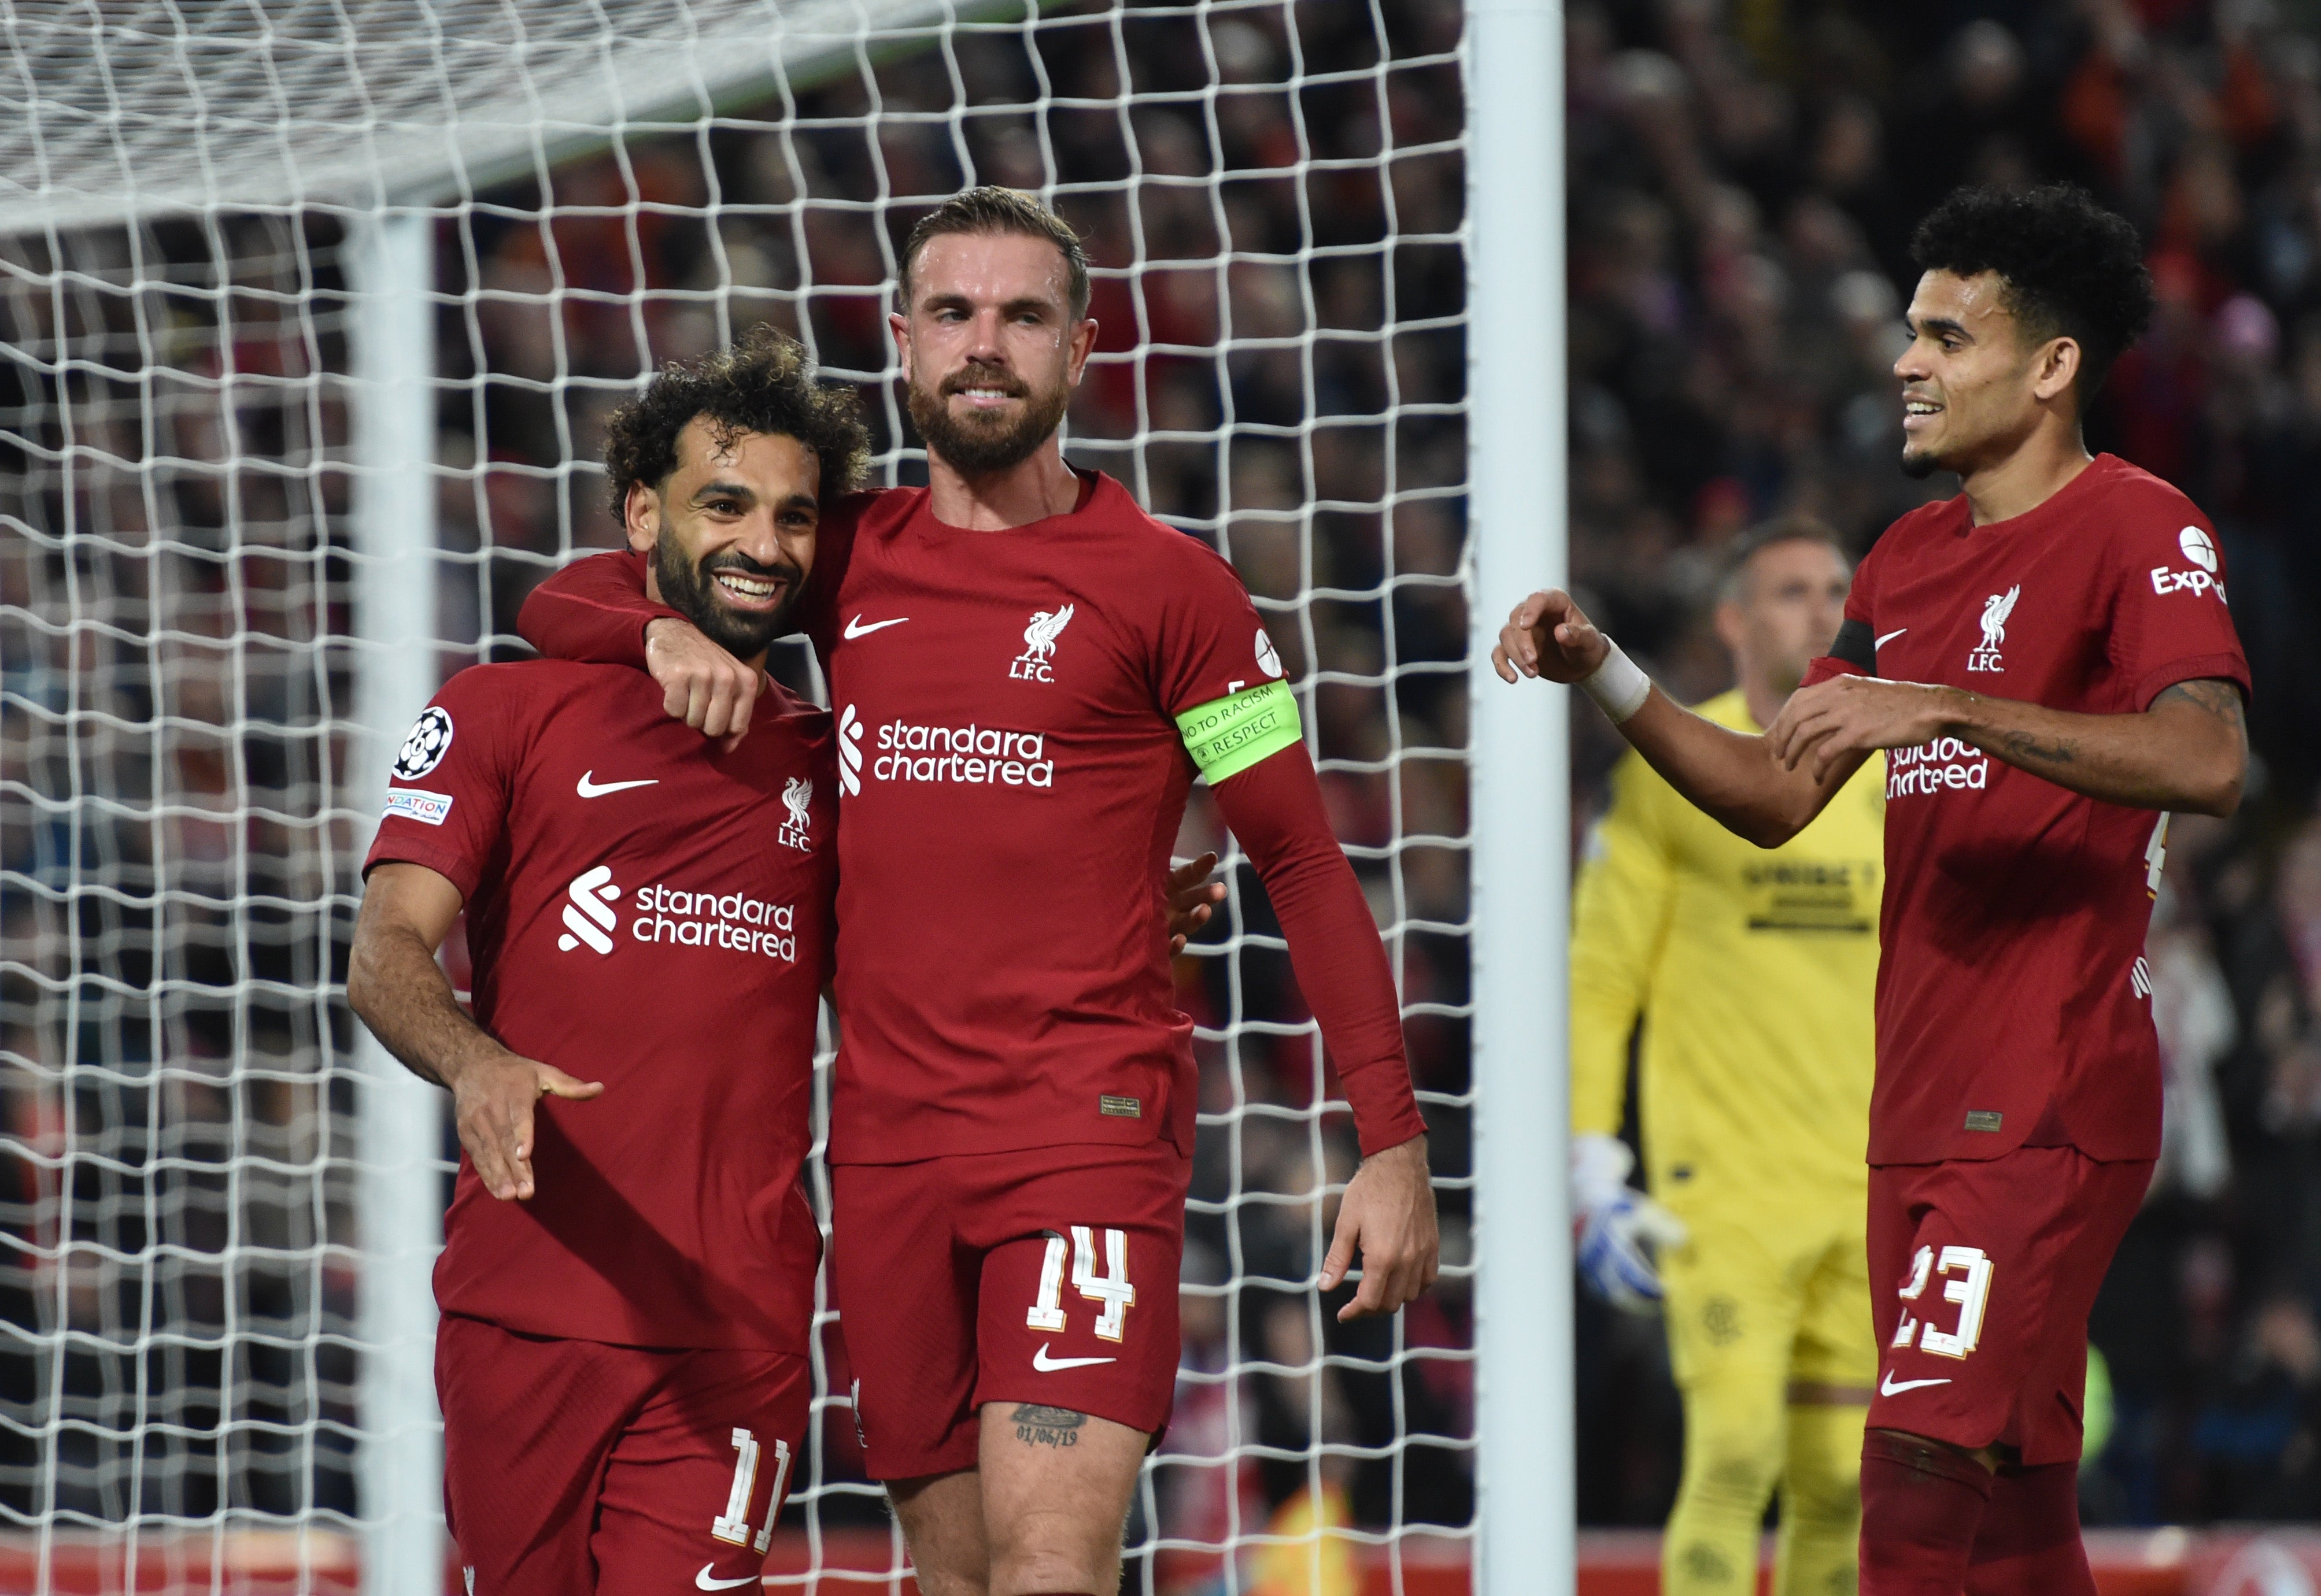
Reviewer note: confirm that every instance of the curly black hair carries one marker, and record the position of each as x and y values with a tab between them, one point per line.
762	383
2073	270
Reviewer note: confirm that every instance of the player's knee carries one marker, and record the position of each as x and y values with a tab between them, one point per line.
1732	1453
1033	1570
1822	1474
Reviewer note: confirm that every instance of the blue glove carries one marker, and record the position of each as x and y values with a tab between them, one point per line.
1617	1227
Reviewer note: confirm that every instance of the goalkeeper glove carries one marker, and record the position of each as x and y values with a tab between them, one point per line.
1616	1226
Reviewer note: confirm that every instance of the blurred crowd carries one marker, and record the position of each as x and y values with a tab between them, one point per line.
1274	220
1745	178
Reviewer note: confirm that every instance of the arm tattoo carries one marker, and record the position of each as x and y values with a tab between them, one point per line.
2220	699
1037	1425
2020	746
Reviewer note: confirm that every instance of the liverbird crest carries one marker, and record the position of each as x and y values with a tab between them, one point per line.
1996	609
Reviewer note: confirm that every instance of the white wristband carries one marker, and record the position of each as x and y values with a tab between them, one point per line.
1618	687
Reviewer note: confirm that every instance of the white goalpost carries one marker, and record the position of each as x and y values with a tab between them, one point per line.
311	313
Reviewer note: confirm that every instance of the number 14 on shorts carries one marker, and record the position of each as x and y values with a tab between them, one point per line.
1110	1288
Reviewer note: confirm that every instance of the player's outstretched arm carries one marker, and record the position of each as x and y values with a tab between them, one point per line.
1729	776
2188	752
596	610
1387	1215
396	988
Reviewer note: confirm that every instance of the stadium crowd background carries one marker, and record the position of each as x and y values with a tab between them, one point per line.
1743	182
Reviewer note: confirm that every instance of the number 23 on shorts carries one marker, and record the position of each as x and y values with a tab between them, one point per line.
1111	1288
1970	1290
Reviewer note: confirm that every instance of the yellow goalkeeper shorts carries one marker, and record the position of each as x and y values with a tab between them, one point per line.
1765	1298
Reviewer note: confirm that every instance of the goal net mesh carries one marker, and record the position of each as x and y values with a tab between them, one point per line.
1273	198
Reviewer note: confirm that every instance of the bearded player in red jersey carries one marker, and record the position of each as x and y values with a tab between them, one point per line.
627	1282
1027	673
2049	660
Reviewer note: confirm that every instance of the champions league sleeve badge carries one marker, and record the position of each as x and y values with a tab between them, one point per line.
424	748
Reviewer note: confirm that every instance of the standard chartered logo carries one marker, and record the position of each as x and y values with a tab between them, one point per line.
586	916
682	917
1946	763
968	755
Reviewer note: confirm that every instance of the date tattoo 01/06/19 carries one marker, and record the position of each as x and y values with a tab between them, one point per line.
1037	1425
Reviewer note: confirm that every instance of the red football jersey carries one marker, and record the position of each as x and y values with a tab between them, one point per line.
1014	779
648	911
2013	1006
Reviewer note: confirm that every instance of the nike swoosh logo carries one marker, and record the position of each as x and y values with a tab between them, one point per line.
855	629
1049	1366
1893	1387
590	788
702	1582
1889	637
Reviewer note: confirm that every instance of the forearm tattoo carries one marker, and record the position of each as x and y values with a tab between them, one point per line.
1038	1425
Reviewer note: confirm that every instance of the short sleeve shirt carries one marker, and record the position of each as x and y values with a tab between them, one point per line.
649	910
2013	1004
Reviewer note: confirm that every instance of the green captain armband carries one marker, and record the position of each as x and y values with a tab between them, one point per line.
1228	735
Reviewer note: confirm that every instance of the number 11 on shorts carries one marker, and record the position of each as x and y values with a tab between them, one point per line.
733	1524
1110	1288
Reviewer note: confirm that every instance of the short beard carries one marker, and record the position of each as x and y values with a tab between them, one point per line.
1917	467
979	445
689	590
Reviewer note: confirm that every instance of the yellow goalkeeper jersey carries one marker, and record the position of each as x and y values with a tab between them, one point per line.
1752	971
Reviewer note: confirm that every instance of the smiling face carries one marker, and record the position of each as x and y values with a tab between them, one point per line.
1974	384
989	348
731	533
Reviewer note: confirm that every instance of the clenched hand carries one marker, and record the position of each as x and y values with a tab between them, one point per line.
701	684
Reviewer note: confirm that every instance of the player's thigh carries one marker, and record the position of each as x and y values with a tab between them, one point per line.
907	1296
697	1478
1056	1485
529	1424
1982	1275
1836	1352
1731	1301
1077	1311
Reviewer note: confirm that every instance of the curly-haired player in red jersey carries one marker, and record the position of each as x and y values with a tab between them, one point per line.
2049	660
1028	672
627	1283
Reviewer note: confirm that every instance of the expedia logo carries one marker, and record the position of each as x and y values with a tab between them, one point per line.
2201	550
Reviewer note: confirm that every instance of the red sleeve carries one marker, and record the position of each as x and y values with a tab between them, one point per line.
2167	620
1211	643
1275	808
447	793
593	610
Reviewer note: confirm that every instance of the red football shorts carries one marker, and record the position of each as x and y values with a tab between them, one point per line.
574	1466
1981	1278
1046	1276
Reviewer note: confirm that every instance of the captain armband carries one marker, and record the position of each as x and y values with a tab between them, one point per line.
1228	735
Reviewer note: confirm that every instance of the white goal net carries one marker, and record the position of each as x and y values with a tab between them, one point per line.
311	312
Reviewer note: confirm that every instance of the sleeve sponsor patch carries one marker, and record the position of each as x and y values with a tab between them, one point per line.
429	808
1228	735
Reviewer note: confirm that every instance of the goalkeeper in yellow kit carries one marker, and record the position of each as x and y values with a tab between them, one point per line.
1752	971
